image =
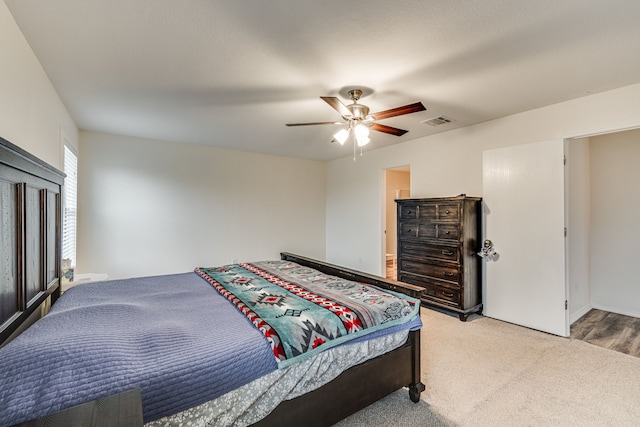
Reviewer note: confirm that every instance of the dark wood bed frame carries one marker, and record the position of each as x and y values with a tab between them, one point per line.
30	237
30	278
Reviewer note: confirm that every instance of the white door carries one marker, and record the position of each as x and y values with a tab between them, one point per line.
523	194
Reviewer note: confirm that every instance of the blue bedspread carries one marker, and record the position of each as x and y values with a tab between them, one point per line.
172	336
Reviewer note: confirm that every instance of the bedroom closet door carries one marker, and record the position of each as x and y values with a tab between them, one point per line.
523	193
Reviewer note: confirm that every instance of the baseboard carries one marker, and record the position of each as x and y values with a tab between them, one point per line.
618	310
574	317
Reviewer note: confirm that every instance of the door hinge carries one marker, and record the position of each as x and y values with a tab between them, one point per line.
564	160
566	304
565	232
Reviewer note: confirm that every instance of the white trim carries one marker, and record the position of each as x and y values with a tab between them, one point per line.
584	310
604	131
567	247
382	203
617	310
579	313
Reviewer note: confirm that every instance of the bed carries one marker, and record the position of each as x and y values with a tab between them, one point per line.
30	242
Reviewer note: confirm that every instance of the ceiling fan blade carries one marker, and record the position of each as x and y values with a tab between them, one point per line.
388	129
337	105
315	123
399	111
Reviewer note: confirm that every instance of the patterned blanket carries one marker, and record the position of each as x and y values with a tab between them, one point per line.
302	311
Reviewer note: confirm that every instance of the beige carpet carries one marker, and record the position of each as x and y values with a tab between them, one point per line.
490	373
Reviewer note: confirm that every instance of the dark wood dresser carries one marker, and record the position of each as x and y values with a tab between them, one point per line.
438	241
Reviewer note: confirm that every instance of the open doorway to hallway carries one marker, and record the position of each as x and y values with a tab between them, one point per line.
397	186
603	207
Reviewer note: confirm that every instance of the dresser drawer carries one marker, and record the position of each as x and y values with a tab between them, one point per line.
448	232
407	230
430	212
442	293
444	232
434	212
448	212
450	273
420	250
434	289
407	212
413	230
426	212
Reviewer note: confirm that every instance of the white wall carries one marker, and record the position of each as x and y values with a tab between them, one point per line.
578	204
32	116
151	207
615	207
450	163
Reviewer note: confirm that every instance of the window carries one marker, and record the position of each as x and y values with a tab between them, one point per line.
70	210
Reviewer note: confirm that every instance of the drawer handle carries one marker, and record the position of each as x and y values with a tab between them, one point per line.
448	253
448	274
447	294
447	211
447	232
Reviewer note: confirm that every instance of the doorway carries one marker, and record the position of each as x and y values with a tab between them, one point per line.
397	184
601	210
602	239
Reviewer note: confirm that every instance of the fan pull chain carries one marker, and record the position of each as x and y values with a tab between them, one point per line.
354	147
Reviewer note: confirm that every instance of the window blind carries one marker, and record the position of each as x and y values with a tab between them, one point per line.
70	206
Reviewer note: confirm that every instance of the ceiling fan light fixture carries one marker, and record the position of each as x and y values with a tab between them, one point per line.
363	141
361	134
358	111
341	136
357	118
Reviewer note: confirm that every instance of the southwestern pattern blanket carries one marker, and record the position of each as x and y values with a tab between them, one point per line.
302	311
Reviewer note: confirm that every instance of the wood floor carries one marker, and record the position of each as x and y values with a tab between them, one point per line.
609	330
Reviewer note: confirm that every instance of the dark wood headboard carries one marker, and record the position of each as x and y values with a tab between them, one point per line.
30	236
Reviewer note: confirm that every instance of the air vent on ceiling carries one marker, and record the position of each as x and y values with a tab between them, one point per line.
436	121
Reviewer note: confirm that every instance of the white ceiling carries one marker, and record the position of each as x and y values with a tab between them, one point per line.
231	73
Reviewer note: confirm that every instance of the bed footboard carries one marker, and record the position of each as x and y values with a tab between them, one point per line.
358	276
354	389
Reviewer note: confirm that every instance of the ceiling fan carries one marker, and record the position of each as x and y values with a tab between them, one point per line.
359	121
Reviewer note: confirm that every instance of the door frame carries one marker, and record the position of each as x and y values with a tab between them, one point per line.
383	207
567	258
567	140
